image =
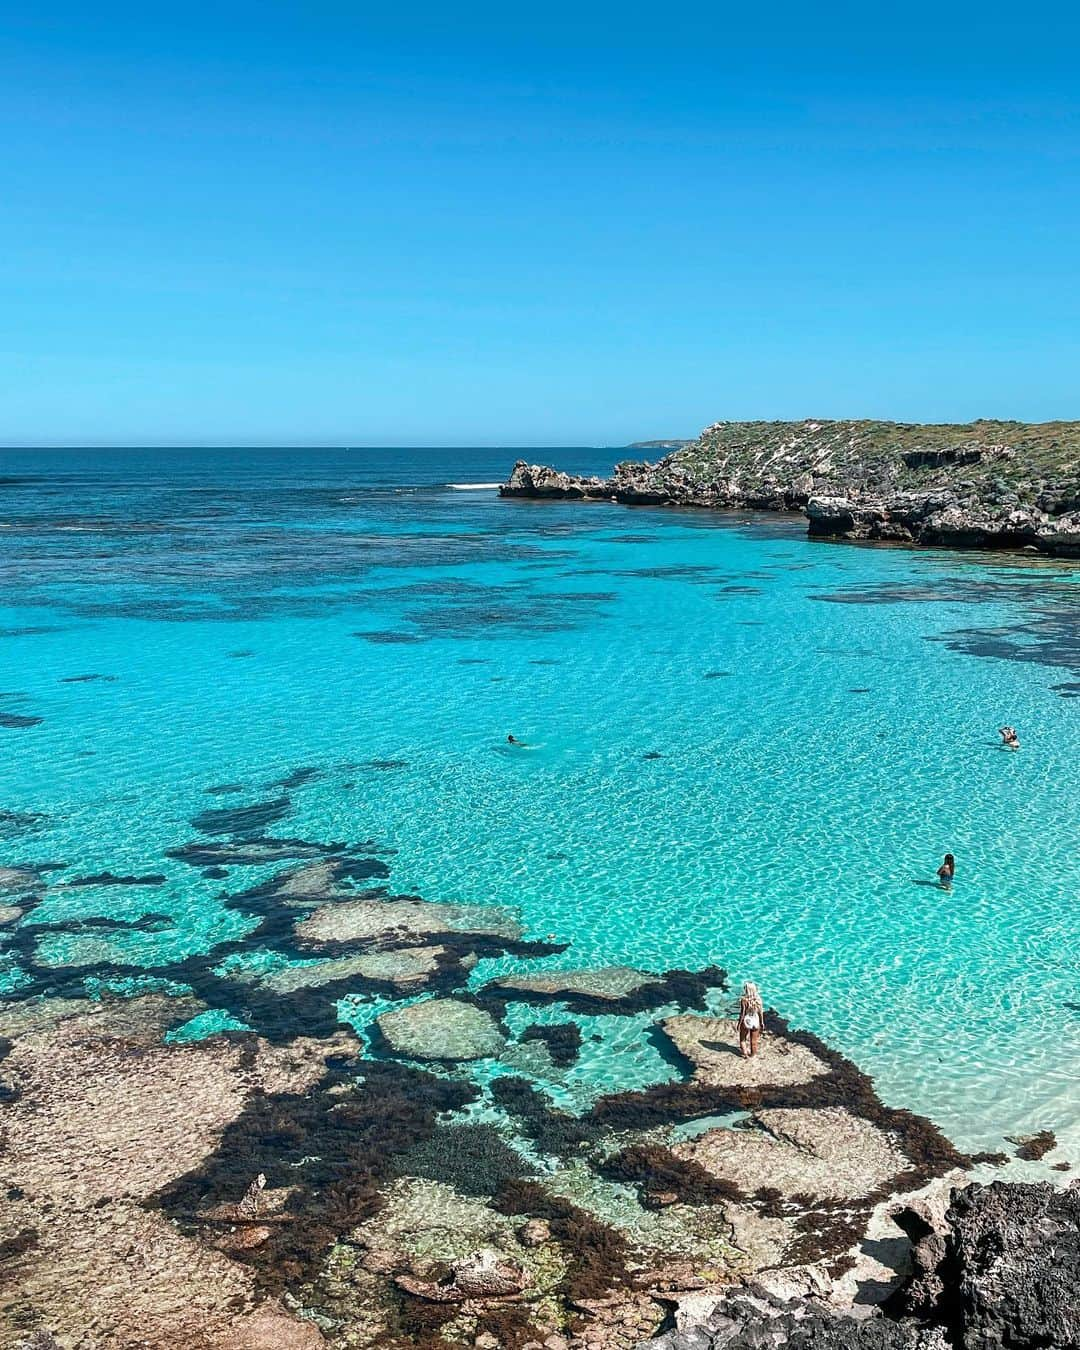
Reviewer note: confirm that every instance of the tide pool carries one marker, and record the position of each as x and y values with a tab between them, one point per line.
741	748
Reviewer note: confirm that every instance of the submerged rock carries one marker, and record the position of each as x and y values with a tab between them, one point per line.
485	1274
387	922
607	982
1032	1147
17	878
9	914
442	1028
407	968
242	819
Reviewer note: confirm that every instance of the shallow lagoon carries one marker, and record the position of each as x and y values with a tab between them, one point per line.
824	718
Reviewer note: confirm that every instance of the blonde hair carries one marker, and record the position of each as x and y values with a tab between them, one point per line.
751	997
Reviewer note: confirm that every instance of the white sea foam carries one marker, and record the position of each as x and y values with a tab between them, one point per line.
472	487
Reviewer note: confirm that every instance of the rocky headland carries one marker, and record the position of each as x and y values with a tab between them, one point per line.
972	485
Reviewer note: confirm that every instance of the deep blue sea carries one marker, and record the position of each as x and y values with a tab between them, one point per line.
743	747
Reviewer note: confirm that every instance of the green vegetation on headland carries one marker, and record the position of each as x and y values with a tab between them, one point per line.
979	484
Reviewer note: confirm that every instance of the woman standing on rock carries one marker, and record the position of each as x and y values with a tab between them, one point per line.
751	1019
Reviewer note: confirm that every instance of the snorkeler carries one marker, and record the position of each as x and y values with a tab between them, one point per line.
513	740
946	872
751	1020
1009	739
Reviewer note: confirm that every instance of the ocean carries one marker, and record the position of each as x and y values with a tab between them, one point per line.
742	747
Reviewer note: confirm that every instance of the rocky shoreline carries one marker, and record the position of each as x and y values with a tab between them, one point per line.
285	1143
990	485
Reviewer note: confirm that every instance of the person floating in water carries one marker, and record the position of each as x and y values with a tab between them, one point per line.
946	872
1009	739
513	740
751	1019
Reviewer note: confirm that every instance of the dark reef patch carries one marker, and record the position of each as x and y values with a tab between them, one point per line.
474	1159
655	1171
224	789
563	1040
242	819
297	779
652	754
253	851
15	823
19	720
88	679
554	1131
1032	1147
717	674
392	639
111	879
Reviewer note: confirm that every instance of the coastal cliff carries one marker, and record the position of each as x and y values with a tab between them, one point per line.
974	485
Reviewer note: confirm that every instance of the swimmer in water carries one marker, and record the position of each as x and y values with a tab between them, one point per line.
946	872
513	740
1009	739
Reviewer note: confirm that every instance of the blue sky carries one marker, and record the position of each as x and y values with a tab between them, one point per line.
576	224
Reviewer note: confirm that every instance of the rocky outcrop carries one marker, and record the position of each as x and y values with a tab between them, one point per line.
999	1269
1009	1270
978	485
442	1028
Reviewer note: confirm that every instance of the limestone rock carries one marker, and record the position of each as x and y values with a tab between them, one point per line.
1010	1268
406	968
610	983
485	1274
534	1233
95	1084
825	1152
388	923
442	1028
17	879
712	1046
536	480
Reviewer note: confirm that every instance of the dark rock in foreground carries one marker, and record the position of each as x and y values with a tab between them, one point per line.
1002	1269
977	485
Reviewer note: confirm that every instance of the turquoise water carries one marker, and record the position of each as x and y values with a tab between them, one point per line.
824	717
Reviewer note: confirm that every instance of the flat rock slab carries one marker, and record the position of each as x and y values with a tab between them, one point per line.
442	1028
712	1046
409	967
17	879
389	922
9	914
824	1152
608	982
